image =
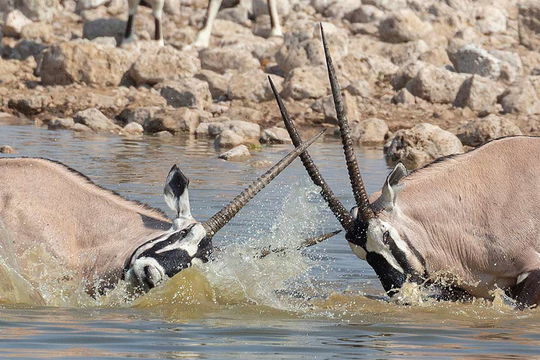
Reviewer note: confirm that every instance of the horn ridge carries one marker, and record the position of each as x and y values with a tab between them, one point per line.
216	222
357	184
342	215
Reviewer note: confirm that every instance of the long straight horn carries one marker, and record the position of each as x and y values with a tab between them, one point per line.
358	188
343	216
216	222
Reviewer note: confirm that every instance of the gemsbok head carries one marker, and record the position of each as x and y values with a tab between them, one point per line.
102	237
463	225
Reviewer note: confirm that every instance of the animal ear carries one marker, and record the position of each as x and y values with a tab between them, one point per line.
176	192
391	188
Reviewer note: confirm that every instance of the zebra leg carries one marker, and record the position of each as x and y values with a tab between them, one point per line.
274	19
203	37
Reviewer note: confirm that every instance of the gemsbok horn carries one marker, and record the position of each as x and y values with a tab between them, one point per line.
464	225
102	237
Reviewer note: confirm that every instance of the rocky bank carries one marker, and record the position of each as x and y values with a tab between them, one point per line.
425	78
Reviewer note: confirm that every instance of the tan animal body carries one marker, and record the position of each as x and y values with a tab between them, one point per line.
101	237
465	224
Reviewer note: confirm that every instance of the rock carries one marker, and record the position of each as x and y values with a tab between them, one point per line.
238	14
139	115
6	149
510	65
420	145
436	85
157	64
365	14
223	59
163	134
490	20
95	120
61	123
39	10
403	96
38	31
133	128
360	88
327	107
178	120
104	28
253	86
81	128
14	22
371	131
228	138
89	4
308	82
244	129
338	9
302	46
239	152
479	131
189	92
529	24
217	83
520	98
474	60
84	62
478	93
403	26
275	135
260	7
29	105
406	73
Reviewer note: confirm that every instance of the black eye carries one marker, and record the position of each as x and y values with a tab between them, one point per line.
386	237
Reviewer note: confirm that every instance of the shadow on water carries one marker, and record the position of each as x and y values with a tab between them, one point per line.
318	303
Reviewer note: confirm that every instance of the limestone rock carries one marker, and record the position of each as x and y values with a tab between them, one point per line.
406	73
228	138
403	96
223	59
521	98
420	145
371	131
490	20
252	86
156	65
239	152
365	14
260	7
133	128
275	135
217	83
14	22
478	93
436	85
81	128
95	120
302	46
84	62
139	115
189	92
6	149
529	24
403	26
244	129
38	10
178	120
479	131
308	82
61	123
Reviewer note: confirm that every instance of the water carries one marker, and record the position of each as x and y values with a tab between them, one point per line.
321	303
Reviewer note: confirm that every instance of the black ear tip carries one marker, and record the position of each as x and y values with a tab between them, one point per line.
174	168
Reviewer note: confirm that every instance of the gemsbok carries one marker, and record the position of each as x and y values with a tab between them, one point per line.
203	37
101	237
463	225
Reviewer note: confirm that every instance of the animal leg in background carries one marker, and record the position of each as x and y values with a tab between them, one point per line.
274	19
157	12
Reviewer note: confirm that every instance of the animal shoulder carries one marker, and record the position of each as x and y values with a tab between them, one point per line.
47	167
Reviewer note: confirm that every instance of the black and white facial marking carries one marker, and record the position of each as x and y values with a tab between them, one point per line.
391	255
185	244
167	255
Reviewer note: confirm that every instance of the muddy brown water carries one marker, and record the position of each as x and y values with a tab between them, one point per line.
321	303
